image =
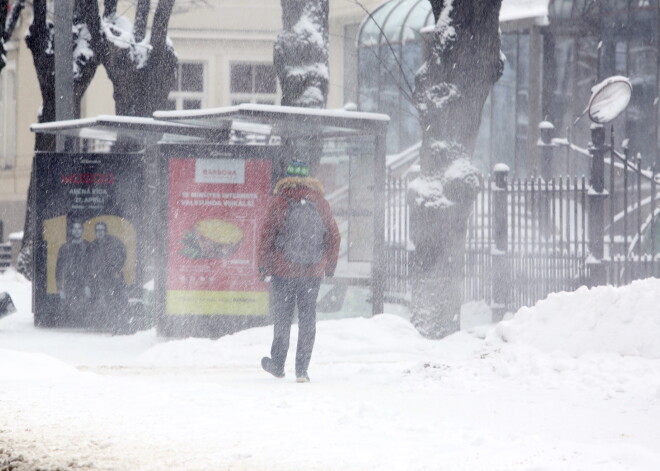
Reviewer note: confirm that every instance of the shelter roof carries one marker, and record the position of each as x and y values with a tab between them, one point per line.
283	121
215	124
110	128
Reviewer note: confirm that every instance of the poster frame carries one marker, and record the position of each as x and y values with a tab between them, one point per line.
129	208
195	324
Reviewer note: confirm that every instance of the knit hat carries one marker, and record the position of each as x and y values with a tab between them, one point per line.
297	168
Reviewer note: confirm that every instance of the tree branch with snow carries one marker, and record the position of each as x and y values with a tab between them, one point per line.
141	66
301	53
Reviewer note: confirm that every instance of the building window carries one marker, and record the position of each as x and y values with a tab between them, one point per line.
189	92
252	83
7	118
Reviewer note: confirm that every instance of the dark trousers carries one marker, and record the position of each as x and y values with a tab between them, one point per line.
285	295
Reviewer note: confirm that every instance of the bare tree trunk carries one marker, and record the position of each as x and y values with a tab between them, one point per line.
301	53
144	73
300	58
40	43
9	15
450	90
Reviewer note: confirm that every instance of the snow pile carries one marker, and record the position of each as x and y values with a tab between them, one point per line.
18	287
21	366
359	341
602	319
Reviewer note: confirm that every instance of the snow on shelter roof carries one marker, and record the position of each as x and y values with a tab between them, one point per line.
109	128
286	121
516	10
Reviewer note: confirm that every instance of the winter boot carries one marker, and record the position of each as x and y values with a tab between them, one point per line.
302	378
269	365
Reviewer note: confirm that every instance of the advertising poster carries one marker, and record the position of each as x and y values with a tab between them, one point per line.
89	221
215	208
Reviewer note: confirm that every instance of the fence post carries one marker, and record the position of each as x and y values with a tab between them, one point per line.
597	195
500	282
546	148
546	133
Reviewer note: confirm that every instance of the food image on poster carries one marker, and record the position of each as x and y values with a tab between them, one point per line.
212	238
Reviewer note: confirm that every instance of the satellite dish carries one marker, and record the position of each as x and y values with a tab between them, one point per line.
609	98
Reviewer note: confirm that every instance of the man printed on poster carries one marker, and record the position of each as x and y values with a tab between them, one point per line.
108	256
72	271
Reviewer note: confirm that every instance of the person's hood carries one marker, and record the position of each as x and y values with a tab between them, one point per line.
298	182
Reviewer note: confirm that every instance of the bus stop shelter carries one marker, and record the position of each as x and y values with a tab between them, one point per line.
205	179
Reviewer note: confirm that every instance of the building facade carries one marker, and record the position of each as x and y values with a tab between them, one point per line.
225	51
555	49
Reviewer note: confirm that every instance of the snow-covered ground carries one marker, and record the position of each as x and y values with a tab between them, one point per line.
570	384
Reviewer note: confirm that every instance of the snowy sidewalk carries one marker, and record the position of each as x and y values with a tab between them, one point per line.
571	384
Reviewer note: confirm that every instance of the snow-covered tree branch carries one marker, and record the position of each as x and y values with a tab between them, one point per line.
301	53
141	66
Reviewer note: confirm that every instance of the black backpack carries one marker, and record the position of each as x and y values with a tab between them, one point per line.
303	233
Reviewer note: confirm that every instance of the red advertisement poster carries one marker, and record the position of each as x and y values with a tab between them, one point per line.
215	209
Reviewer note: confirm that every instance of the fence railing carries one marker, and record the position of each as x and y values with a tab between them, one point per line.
527	238
397	238
543	225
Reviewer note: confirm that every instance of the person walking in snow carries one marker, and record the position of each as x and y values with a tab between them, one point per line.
298	245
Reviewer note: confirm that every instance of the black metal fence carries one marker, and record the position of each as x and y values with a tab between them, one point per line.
397	238
530	237
543	246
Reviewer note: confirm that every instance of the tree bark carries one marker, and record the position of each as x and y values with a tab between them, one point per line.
450	90
9	15
144	73
40	42
301	53
300	58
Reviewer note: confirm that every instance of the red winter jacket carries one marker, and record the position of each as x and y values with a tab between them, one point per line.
273	261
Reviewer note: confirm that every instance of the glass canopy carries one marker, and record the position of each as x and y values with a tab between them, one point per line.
395	22
390	50
583	41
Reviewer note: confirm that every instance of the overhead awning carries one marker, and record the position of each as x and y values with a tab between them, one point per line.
283	121
110	128
216	124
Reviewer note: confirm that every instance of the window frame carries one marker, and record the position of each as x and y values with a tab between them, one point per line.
236	98
179	96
